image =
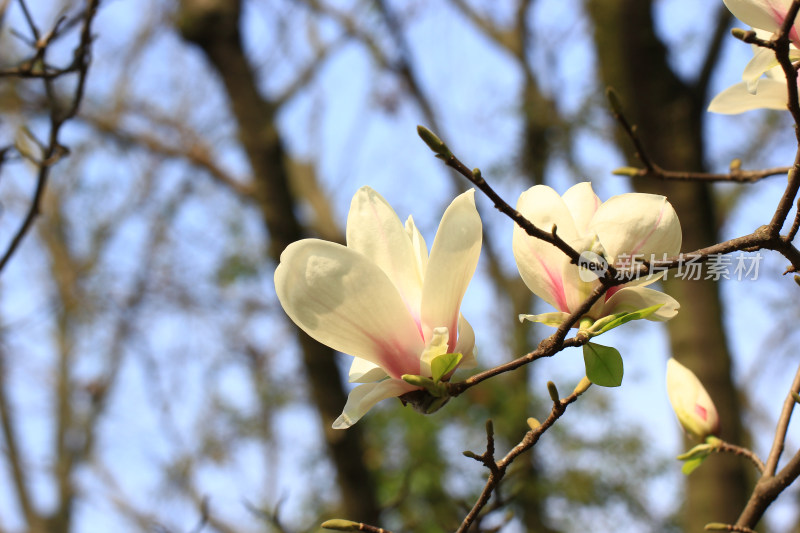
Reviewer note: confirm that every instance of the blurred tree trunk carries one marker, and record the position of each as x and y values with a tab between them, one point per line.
213	25
669	115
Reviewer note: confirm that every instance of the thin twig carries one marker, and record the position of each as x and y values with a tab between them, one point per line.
728	527
795	225
13	451
528	441
547	347
783	426
734	176
770	486
726	447
653	170
57	119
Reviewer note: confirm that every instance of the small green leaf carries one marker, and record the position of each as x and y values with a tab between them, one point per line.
443	364
691	465
419	381
433	388
603	365
701	451
601	326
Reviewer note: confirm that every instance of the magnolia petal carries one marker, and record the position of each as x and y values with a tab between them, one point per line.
548	319
374	230
637	223
539	263
762	14
630	299
419	246
344	301
544	207
577	290
770	94
453	258
763	60
362	371
364	397
582	203
466	344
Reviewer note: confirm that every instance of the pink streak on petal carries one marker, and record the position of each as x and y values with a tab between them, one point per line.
700	411
392	355
394	361
612	291
556	286
779	17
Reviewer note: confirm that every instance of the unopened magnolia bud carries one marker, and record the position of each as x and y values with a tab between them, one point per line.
581	387
691	402
742	35
533	423
626	171
736	164
433	141
551	388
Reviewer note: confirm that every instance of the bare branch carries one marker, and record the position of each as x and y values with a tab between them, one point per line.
13	453
58	117
530	439
726	447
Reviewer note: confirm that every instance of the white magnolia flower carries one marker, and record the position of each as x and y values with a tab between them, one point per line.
382	298
621	229
690	401
763	84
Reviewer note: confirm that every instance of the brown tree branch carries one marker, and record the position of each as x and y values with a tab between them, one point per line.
58	116
497	470
214	28
16	462
726	447
772	484
653	170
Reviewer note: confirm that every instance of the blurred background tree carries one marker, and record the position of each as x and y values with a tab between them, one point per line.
150	379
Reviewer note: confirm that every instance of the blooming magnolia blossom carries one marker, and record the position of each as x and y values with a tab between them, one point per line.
763	82
624	226
382	298
691	402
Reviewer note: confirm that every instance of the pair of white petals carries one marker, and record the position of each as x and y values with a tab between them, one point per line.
763	84
625	226
382	298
